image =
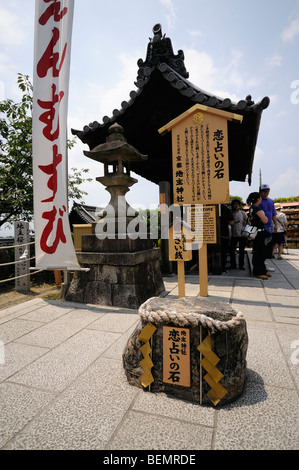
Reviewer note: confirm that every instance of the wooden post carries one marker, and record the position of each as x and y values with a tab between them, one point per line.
65	284
58	278
165	198
203	270
216	249
179	252
181	278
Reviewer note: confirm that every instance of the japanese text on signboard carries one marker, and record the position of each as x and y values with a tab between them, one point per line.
200	160
176	356
179	248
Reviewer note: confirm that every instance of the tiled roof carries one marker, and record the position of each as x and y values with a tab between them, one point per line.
185	88
164	92
83	213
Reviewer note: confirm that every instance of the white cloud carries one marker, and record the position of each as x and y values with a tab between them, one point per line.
286	184
292	30
274	61
101	98
281	113
258	155
111	98
287	150
12	30
196	33
2	88
274	99
8	74
171	13
205	75
201	69
233	71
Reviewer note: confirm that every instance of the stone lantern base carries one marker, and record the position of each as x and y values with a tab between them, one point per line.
124	279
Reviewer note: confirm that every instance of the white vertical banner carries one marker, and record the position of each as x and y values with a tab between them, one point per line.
53	31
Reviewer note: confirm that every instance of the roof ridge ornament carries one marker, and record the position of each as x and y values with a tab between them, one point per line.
159	50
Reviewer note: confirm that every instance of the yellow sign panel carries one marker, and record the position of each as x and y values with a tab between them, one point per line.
179	248
202	219
176	356
146	378
213	375
200	155
200	160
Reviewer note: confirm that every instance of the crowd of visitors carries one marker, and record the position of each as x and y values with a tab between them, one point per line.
271	226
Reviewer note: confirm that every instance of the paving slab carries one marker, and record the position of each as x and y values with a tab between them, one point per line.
16	328
62	364
63	386
19	405
57	331
264	418
17	356
143	432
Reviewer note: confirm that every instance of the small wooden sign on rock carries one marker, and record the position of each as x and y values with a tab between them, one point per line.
176	356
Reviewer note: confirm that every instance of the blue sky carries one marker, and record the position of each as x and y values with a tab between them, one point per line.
232	48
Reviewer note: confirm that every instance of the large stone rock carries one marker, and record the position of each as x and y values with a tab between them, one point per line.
228	331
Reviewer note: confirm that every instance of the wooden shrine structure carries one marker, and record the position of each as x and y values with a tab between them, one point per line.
163	93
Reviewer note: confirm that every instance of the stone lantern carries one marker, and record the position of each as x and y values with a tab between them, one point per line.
116	155
124	267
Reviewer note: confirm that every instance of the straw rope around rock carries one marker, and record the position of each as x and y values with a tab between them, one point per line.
166	313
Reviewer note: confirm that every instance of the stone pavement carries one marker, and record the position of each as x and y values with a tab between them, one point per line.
62	383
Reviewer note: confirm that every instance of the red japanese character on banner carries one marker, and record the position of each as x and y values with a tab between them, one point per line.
51	170
48	116
59	235
50	58
52	10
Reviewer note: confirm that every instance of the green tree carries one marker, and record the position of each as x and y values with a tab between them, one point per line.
232	198
287	199
153	220
16	179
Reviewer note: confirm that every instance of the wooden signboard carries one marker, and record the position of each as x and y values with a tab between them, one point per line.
176	356
200	155
200	164
202	219
180	250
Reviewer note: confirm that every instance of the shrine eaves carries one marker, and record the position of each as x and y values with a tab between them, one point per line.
163	93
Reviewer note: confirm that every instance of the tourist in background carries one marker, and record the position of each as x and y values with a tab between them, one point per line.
226	220
257	218
278	238
267	205
240	219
